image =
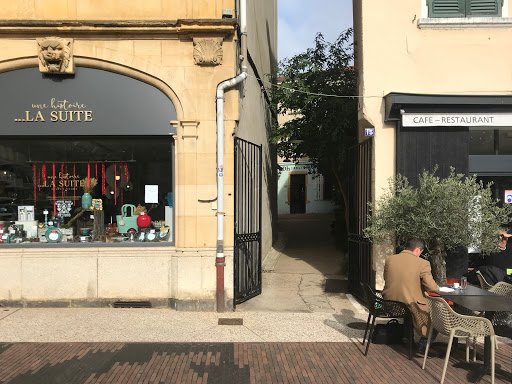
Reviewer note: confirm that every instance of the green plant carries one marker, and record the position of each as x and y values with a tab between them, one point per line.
446	213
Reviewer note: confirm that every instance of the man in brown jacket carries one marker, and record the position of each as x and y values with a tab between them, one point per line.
406	277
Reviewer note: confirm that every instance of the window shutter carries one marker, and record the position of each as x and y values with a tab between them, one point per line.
447	8
484	8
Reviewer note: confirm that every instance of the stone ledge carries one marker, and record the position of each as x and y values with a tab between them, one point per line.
206	305
464	22
103	27
77	303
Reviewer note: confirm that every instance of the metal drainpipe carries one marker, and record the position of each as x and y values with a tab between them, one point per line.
220	260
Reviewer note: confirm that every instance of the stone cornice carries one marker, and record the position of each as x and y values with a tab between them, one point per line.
117	27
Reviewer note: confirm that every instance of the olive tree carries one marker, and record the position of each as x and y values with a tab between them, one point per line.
446	213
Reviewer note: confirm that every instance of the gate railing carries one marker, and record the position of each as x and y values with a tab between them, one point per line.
247	247
360	194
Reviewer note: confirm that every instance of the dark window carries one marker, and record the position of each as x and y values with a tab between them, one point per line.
505	141
30	167
481	142
464	8
489	141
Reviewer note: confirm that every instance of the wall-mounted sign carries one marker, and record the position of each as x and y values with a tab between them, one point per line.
369	132
295	167
92	102
508	196
457	119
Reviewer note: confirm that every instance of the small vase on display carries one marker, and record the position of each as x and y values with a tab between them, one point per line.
88	185
86	200
144	220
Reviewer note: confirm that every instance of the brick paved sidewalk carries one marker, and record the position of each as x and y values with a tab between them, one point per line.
240	363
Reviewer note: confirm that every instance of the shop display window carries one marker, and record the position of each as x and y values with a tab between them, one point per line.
106	189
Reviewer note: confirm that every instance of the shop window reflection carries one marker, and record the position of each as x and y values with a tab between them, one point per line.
481	141
490	141
505	141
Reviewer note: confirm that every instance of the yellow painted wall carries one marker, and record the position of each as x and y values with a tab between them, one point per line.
113	9
399	50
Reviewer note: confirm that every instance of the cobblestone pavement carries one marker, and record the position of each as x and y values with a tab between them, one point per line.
301	363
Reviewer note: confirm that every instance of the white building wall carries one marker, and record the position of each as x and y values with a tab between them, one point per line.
315	202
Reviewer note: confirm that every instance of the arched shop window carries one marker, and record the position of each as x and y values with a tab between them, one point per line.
84	159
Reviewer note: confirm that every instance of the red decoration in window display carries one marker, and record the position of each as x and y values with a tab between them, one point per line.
74	184
96	171
88	177
43	173
126	174
103	181
143	220
63	186
34	176
54	190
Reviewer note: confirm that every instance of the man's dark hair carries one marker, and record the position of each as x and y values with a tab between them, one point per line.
414	243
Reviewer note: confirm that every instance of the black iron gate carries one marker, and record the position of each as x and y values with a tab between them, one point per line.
247	251
359	248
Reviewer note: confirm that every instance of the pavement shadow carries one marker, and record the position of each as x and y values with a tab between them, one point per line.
347	324
309	240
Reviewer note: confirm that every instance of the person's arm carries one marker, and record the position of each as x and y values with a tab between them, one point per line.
426	278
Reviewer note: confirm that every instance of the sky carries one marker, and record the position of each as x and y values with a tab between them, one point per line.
300	20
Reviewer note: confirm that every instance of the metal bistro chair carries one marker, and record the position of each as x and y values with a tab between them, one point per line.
388	309
452	324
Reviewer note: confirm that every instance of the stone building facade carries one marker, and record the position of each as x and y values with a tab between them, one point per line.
124	92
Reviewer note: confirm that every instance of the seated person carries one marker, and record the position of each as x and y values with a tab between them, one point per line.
503	259
496	266
406	277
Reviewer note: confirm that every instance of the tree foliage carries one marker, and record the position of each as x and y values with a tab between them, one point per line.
323	127
449	212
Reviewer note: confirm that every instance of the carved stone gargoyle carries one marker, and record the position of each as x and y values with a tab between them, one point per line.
55	55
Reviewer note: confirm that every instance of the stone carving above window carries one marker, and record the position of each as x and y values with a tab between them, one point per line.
55	55
208	51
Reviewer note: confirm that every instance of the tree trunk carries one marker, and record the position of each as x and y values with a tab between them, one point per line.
437	254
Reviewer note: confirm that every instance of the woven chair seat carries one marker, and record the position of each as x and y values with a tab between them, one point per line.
450	323
502	289
502	321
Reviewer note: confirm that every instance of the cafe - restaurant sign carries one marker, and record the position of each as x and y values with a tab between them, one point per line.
457	119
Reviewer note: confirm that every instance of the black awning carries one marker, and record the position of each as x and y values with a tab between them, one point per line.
412	102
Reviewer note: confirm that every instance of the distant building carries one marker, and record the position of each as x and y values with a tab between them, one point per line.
302	190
